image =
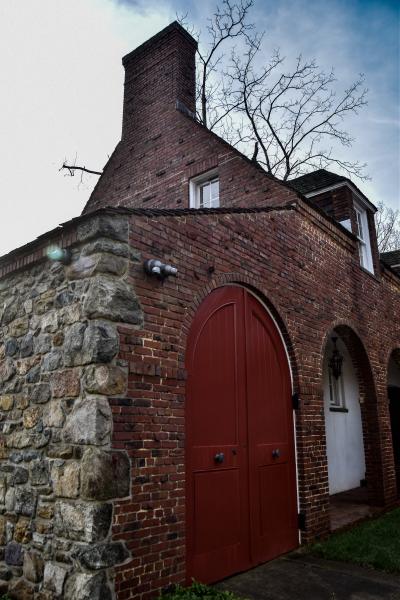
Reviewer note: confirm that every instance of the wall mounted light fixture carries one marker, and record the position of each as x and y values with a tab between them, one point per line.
336	360
62	255
159	269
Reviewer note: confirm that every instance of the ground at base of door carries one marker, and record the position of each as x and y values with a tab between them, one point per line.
301	577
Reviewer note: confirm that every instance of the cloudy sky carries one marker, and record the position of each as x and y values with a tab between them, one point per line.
62	82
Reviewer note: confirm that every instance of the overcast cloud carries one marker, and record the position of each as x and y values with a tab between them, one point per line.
62	83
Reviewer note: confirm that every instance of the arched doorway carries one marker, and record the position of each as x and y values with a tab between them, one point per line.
394	409
352	429
241	480
343	422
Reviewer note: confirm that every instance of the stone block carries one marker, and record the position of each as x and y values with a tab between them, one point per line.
9	500
81	521
84	586
33	567
53	415
40	393
6	402
20	589
66	477
87	266
3	490
22	530
52	361
19	327
24	365
14	554
114	300
42	343
19	476
45	511
63	451
33	375
98	342
54	577
106	245
104	475
89	422
25	502
19	439
26	345
40	473
21	401
105	379
11	347
31	416
104	226
65	383
101	556
50	322
7	370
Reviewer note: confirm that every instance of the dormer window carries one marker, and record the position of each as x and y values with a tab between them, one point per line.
362	233
204	191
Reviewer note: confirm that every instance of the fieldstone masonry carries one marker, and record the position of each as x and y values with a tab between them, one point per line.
58	366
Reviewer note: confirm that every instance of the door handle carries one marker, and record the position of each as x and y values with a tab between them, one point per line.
276	453
219	457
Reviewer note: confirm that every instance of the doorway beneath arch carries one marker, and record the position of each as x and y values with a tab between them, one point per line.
240	452
394	409
345	394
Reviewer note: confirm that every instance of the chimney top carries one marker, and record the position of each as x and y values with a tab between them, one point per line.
174	26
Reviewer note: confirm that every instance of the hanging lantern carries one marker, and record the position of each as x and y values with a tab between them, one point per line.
336	361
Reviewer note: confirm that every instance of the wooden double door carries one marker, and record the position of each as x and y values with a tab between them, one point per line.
241	479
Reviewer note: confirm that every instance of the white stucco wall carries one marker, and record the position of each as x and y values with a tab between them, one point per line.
393	374
344	438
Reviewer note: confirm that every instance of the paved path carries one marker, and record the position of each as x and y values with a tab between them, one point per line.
301	577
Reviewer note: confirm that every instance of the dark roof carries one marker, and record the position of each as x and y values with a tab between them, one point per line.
391	258
317	180
320	179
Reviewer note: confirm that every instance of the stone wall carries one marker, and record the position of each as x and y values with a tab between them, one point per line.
58	366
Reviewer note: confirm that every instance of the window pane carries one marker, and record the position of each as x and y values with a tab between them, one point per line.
359	225
363	254
205	195
215	189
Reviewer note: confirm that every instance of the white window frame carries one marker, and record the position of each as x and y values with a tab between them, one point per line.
197	184
364	242
337	398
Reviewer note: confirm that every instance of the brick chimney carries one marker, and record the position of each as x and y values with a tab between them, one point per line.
158	74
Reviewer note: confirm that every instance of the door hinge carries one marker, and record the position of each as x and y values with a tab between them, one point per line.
301	519
296	401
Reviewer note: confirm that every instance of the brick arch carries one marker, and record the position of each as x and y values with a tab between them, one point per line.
394	354
369	406
264	296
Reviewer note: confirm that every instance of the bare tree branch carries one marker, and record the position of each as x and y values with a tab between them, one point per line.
296	117
387	222
72	168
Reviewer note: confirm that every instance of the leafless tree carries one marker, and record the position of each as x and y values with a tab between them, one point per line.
289	121
229	22
295	117
387	222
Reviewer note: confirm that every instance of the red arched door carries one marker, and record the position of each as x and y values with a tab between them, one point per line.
241	482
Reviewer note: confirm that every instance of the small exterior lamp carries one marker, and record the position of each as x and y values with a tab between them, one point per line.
336	361
159	269
62	255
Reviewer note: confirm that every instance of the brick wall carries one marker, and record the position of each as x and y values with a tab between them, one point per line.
161	148
312	281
